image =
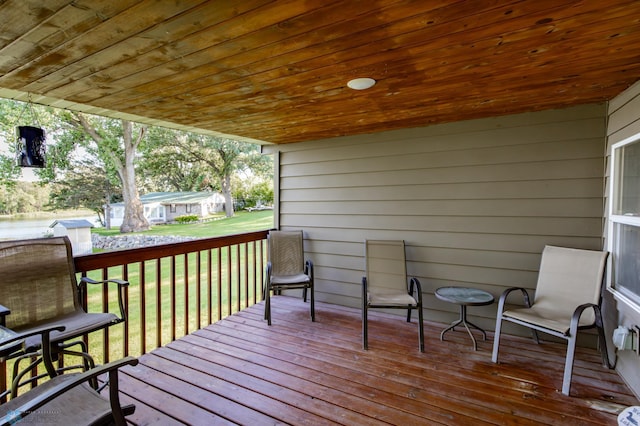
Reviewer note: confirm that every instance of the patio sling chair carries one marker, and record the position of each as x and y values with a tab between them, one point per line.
385	284
567	299
39	288
68	400
287	269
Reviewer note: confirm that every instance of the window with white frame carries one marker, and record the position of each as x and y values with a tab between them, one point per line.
624	221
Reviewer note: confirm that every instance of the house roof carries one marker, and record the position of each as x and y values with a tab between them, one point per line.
174	197
277	72
72	223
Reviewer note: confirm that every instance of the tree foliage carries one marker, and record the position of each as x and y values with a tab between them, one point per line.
92	161
202	162
23	197
85	187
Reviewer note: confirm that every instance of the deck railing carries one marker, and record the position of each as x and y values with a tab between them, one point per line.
174	289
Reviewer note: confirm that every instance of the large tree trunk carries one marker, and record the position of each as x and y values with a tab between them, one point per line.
228	199
134	219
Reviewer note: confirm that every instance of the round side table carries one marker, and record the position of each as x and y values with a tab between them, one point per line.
464	296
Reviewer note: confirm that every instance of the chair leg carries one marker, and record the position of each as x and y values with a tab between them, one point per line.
420	329
603	340
313	307
304	295
496	338
267	305
534	334
568	364
365	340
365	331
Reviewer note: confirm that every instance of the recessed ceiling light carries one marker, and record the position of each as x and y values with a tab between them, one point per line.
361	83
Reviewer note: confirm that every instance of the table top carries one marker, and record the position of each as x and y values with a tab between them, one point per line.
464	296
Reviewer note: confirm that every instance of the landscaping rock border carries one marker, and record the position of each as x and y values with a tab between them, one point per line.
133	241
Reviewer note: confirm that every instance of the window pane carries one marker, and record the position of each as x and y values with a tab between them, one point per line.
626	259
627	178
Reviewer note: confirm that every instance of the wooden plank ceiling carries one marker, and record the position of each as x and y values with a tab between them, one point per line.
277	71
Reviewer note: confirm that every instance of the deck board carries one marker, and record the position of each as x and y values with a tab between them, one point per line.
241	371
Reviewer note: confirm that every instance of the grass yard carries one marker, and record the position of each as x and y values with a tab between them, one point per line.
243	221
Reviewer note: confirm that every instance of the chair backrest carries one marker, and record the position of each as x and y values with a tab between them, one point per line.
568	278
386	269
286	253
37	280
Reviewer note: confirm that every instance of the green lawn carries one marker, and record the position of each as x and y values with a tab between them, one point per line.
220	225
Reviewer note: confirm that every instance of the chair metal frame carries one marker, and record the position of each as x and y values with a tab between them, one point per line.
405	294
287	271
65	392
527	316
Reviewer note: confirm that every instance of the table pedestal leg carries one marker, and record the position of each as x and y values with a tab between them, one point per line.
463	320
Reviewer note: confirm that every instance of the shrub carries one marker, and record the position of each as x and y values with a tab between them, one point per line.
190	218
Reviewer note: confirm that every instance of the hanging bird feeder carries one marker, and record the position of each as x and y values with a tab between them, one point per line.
31	146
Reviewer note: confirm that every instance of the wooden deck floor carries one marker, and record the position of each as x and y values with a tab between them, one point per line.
240	371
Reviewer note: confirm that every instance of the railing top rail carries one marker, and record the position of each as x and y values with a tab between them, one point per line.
95	261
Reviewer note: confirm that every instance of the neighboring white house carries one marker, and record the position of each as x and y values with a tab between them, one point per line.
164	207
78	231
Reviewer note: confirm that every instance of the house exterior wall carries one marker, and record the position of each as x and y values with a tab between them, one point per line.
475	201
624	122
198	209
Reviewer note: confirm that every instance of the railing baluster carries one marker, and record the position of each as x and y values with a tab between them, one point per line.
209	284
143	307
125	346
173	298
158	303
105	307
229	289
186	294
198	290
237	270
255	270
219	284
246	274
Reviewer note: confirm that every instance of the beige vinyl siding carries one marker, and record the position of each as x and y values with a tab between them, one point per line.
474	201
624	122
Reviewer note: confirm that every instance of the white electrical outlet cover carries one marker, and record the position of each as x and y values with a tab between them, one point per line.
629	417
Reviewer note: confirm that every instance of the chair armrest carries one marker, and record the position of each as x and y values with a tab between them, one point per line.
45	331
575	318
574	326
64	385
308	269
121	288
121	283
6	349
416	282
268	272
505	294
